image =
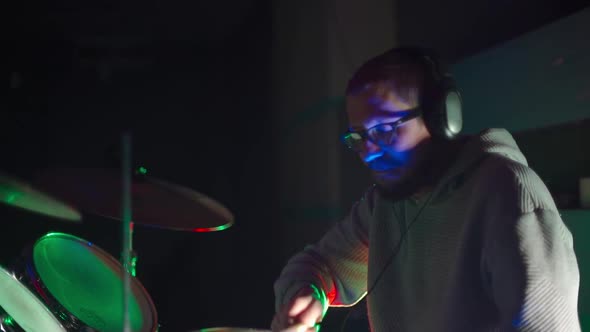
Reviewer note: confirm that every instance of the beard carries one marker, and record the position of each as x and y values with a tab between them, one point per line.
401	175
398	183
398	177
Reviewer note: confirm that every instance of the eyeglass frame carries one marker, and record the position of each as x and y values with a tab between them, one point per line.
364	134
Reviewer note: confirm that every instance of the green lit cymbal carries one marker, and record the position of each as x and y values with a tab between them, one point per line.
154	203
19	194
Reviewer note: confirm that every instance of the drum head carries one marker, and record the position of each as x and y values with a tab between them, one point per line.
24	307
88	282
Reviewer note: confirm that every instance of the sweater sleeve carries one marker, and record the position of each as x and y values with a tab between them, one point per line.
336	264
533	273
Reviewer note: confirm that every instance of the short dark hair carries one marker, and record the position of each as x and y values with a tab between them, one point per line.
405	68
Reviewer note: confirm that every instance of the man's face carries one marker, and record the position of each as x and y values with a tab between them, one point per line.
378	103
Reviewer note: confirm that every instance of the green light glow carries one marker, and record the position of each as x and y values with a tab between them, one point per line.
22	195
8	321
321	296
142	170
133	265
213	229
222	227
11	197
86	281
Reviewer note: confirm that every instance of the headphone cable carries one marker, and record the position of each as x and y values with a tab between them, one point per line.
391	256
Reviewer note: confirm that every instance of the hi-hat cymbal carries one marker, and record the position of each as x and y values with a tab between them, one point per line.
20	194
154	202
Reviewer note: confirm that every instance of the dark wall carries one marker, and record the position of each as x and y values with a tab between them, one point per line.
194	99
468	31
561	156
461	28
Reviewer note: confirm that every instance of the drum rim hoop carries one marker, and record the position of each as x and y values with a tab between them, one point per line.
33	279
12	275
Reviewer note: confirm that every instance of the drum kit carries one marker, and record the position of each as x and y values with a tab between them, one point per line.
63	283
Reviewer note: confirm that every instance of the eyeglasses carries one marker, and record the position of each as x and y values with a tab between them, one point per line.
381	134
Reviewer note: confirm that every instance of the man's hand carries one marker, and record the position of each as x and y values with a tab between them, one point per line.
301	314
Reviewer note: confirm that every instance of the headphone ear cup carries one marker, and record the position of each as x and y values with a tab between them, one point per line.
452	108
453	114
443	110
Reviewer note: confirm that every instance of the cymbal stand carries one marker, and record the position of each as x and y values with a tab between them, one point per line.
128	259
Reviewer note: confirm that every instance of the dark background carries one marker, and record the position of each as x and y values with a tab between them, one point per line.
191	81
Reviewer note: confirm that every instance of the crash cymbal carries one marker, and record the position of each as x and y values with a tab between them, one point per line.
154	203
20	194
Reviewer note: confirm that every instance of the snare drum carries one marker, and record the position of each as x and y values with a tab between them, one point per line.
21	310
83	286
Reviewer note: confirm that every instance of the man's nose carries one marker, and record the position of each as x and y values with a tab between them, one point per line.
371	151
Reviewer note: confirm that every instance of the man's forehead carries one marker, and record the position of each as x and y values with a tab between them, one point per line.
361	111
371	93
397	72
381	93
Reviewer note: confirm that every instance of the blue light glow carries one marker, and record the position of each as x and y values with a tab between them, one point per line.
372	156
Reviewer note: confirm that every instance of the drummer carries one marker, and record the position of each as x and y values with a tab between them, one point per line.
457	234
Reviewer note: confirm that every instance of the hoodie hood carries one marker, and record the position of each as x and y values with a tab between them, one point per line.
488	142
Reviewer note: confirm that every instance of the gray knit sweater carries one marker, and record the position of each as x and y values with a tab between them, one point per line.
488	252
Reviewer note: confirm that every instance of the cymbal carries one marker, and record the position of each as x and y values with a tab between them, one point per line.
20	194
154	202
